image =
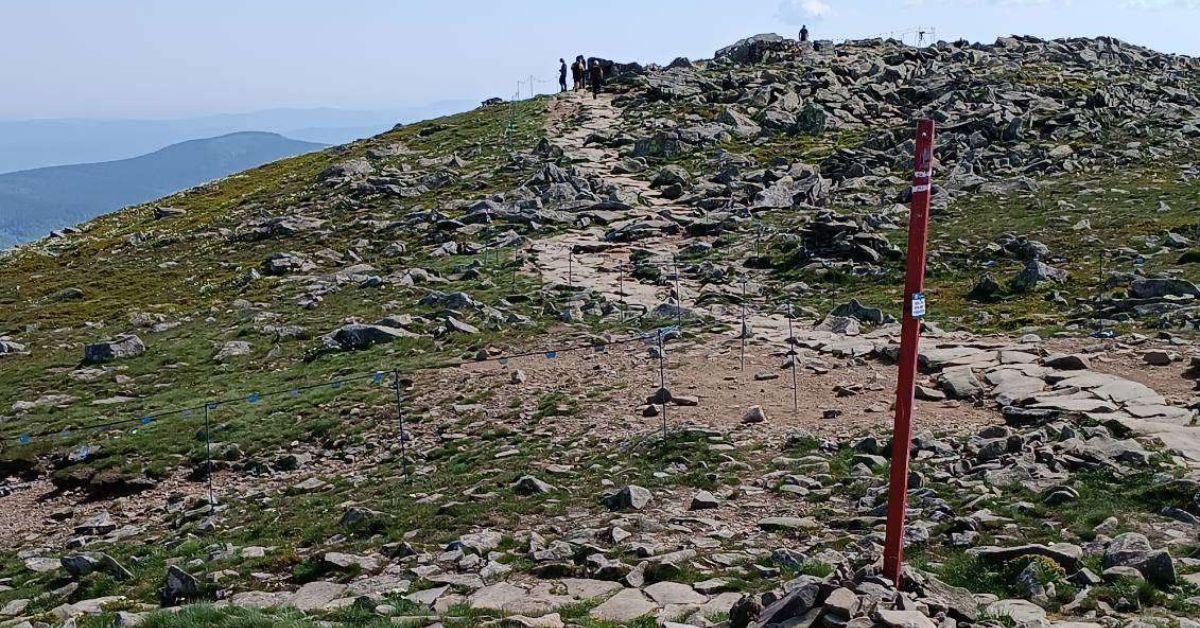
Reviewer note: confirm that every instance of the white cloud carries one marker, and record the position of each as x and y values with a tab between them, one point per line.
816	8
800	11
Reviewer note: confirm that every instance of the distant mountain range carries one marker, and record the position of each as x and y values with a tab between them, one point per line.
26	144
35	202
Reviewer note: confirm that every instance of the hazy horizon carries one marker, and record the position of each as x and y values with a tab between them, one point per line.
144	59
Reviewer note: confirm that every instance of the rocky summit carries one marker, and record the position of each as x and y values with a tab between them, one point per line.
630	360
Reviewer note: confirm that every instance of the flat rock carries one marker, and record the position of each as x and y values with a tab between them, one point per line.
627	605
586	589
784	524
665	593
1022	612
905	619
500	596
1065	554
317	595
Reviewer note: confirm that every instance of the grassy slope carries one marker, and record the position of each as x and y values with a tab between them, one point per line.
186	270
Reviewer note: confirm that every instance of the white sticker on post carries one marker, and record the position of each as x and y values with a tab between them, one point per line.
918	305
920	188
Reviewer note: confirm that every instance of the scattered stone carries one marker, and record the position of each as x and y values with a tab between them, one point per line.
704	500
121	347
754	415
629	498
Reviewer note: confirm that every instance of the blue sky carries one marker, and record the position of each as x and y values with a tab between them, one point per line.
152	58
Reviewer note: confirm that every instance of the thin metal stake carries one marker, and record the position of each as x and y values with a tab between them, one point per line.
571	269
512	277
792	355
1100	291
208	453
662	379
743	334
621	289
400	419
678	292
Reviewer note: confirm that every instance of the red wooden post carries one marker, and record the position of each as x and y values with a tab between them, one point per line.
914	310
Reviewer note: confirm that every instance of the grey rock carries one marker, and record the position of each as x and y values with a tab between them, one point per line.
1158	288
179	586
1068	362
754	415
121	347
529	485
704	500
631	497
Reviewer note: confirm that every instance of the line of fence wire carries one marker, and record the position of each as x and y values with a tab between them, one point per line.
656	336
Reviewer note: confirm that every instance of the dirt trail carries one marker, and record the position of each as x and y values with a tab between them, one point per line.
586	260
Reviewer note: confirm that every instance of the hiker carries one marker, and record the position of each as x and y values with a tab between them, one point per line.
562	76
577	70
804	33
597	76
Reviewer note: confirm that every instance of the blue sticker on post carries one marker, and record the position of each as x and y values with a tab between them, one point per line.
918	305
23	439
503	361
551	354
145	420
253	398
378	376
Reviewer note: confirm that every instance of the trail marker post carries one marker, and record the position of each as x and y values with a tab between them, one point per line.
910	336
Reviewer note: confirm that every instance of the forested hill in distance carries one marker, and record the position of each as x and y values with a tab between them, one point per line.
35	202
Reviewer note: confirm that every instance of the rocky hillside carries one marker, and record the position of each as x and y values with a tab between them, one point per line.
202	395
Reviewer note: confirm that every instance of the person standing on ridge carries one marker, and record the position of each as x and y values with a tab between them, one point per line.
577	70
562	76
597	76
804	33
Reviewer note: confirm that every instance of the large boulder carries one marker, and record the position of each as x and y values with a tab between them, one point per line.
629	498
352	168
124	346
359	336
1133	549
1158	288
751	49
1035	275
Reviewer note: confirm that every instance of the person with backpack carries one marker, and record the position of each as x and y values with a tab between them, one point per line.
597	77
577	71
